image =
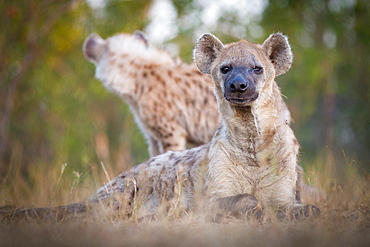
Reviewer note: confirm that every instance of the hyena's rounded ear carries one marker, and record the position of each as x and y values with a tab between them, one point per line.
278	50
142	37
206	50
94	47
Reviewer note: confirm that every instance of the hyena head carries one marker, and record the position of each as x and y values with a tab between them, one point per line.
95	47
110	55
243	70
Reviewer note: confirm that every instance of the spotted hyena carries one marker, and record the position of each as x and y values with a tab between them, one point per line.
173	103
248	167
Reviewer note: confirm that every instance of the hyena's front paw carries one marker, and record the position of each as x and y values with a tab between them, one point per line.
299	212
306	211
243	206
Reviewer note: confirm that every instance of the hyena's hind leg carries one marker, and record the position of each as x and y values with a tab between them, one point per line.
163	145
170	137
93	209
155	148
53	214
174	142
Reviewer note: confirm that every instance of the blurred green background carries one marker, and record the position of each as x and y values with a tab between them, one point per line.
53	111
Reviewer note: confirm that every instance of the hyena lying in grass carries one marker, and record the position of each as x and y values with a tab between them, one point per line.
172	102
249	166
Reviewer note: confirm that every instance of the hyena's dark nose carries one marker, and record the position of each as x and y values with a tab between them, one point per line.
238	84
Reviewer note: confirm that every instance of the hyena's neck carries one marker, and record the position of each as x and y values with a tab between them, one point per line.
268	113
276	144
253	129
241	129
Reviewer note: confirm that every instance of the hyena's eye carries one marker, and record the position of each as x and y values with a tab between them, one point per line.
258	70
225	69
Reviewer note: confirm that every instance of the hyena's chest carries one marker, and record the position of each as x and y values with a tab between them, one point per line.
252	179
248	179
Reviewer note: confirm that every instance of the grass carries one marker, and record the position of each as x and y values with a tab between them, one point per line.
344	220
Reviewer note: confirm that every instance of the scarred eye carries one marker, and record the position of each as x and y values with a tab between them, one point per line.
225	69
258	70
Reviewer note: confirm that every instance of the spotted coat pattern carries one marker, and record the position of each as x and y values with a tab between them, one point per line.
173	103
250	161
249	166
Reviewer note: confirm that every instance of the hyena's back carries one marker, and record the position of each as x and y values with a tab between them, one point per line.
168	181
173	103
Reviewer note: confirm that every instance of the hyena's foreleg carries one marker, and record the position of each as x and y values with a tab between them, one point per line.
238	206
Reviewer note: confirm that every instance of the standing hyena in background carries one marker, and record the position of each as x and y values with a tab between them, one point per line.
249	165
173	103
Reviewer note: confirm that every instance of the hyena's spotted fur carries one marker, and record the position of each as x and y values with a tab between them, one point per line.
173	103
249	166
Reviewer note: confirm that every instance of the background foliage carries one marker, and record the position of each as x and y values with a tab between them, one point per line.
53	113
